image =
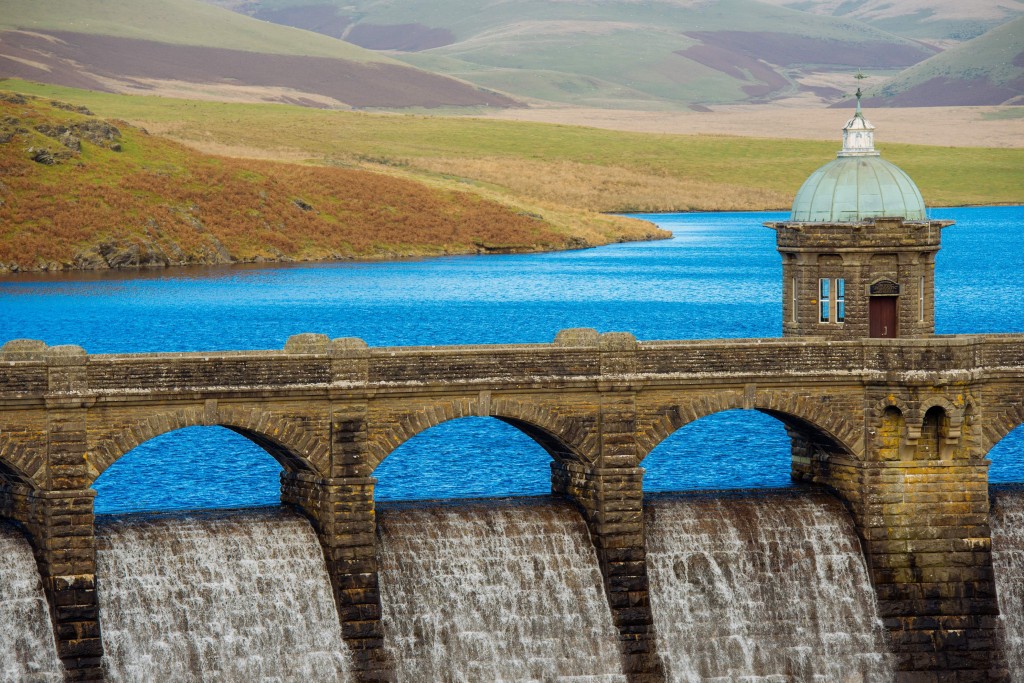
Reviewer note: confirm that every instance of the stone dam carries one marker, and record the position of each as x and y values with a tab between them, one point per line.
895	431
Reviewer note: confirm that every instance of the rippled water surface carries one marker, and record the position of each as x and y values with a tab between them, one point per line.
720	276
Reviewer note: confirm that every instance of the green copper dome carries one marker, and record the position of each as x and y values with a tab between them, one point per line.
859	184
854	188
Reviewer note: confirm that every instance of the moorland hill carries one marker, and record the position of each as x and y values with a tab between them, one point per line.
79	191
192	49
662	55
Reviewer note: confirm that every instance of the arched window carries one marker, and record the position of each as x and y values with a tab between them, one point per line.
933	434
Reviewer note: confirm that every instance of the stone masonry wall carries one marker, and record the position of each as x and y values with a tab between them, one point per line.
861	254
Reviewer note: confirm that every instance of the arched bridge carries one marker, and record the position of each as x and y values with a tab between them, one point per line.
899	429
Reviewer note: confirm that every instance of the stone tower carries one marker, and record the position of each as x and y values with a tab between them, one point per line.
858	250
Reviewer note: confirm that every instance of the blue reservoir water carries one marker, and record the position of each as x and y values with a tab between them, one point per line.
720	276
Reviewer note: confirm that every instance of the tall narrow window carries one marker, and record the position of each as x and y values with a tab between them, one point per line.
793	302
840	300
824	299
921	300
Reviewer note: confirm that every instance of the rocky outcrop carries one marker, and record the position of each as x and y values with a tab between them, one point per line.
130	254
99	133
68	135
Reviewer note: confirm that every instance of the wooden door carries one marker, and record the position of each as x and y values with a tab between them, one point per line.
882	316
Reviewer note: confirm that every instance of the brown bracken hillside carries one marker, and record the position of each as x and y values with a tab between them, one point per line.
80	192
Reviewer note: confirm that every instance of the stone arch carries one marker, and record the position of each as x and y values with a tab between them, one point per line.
880	422
564	439
287	441
16	463
797	412
1000	425
830	260
890	433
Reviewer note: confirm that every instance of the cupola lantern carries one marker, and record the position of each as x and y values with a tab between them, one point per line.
858	251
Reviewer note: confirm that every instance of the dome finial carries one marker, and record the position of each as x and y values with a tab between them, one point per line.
858	133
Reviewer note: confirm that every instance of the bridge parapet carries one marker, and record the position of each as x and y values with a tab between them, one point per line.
33	370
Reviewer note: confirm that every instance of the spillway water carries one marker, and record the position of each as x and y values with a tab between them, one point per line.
28	653
495	591
762	588
1007	521
227	596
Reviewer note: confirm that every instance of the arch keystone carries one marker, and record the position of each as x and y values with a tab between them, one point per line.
210	412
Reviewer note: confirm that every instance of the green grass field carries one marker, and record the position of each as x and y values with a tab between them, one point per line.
570	166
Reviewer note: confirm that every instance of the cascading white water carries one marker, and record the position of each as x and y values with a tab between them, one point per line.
762	587
494	591
1007	521
28	653
227	596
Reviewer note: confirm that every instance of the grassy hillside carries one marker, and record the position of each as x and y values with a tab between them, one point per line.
557	166
946	20
190	49
660	54
183	22
986	70
81	191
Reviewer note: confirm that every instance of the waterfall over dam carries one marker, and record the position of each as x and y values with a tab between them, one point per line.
1008	562
762	587
27	648
494	591
754	586
230	596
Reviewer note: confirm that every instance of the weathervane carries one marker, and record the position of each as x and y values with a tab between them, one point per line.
860	77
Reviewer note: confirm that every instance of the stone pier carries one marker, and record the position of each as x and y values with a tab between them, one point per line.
611	502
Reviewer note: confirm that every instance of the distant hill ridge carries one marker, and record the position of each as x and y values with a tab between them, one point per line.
660	54
985	71
190	48
621	54
933	20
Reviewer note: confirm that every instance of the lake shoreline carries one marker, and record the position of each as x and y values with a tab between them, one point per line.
13	272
